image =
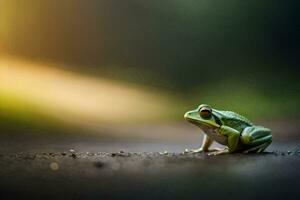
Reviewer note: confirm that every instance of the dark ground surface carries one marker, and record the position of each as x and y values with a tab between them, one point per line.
89	167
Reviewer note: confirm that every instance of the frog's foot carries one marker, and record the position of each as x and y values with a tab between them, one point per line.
215	149
222	151
259	148
200	150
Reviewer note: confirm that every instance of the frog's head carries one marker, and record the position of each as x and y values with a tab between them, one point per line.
203	116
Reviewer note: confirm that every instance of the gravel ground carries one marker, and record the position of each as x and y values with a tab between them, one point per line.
90	167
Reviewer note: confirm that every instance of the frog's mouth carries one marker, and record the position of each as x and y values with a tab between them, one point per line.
194	118
200	123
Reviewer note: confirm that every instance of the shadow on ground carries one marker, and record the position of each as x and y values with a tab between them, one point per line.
88	167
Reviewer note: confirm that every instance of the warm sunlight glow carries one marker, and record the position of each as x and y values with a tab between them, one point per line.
77	98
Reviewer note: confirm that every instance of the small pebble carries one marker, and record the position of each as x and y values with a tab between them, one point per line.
164	153
73	155
186	151
99	164
54	166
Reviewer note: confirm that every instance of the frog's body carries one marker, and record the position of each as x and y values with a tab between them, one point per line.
230	129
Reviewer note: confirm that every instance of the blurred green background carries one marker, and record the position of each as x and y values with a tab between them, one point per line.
75	63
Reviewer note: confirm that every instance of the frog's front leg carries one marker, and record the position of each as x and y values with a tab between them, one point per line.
207	141
256	138
232	141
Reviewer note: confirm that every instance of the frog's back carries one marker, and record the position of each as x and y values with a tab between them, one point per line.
234	120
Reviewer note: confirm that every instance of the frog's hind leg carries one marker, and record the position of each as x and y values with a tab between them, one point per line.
257	138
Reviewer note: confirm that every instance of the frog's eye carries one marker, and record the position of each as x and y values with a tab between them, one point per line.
205	112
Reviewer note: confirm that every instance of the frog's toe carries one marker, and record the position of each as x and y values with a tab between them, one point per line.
214	153
197	150
222	151
215	149
201	150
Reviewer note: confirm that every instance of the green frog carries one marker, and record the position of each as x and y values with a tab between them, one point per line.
228	128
